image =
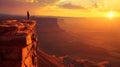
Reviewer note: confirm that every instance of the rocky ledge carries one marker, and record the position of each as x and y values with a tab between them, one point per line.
12	31
18	43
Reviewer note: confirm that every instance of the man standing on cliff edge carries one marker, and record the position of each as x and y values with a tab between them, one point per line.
28	15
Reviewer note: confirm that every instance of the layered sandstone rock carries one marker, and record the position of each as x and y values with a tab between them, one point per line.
17	43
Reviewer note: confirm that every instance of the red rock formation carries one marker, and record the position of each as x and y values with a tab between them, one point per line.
17	44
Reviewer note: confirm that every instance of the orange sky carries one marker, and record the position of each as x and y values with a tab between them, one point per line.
69	8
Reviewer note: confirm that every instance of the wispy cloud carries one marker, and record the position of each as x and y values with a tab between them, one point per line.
70	6
40	2
15	7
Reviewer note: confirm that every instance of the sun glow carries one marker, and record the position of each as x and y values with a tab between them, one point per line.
31	1
111	14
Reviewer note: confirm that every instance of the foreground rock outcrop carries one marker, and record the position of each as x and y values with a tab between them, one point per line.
18	43
18	48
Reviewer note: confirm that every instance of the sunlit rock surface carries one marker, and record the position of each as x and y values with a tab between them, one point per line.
18	43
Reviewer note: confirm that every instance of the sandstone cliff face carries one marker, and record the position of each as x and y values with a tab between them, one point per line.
17	43
18	48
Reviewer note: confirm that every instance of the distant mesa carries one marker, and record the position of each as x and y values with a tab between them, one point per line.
48	24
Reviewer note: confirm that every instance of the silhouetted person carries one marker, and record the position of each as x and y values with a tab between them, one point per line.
28	15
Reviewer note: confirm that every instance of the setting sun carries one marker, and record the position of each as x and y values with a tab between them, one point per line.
111	14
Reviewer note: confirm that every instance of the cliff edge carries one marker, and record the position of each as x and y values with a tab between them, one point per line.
18	43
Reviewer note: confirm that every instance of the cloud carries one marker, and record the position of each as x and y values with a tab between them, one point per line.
19	3
98	3
41	2
70	6
95	5
16	7
20	6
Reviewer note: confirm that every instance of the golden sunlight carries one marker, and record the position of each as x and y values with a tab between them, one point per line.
31	1
111	14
